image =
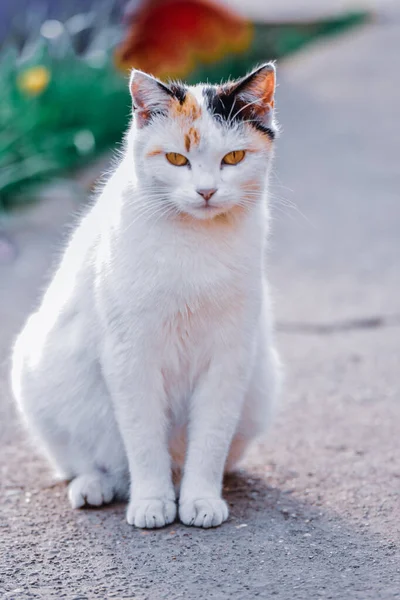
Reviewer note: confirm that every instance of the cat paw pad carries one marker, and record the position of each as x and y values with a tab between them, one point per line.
203	512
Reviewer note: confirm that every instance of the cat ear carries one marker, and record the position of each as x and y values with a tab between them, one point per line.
151	97
250	100
257	90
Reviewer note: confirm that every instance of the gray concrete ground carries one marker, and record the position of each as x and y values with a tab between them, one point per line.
315	513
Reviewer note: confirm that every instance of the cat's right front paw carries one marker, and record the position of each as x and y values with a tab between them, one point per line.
150	513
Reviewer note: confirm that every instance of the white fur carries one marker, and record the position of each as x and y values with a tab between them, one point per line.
153	340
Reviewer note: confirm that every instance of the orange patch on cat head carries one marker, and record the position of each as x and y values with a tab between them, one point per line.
189	108
155	152
220	223
192	138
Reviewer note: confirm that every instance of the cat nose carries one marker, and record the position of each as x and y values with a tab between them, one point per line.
207	193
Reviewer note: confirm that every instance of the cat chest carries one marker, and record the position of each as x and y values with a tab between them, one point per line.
189	338
187	346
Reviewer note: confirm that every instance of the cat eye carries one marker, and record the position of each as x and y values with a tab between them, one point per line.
233	158
177	159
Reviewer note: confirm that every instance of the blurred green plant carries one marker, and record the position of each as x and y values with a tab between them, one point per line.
63	102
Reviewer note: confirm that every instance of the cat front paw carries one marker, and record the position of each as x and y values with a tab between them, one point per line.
151	513
203	512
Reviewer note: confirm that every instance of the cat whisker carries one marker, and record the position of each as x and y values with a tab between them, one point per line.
230	112
257	101
147	213
279	202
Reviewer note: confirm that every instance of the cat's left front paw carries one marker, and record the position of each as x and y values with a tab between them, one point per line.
203	512
151	513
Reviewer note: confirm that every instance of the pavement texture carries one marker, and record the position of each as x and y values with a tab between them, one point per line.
315	511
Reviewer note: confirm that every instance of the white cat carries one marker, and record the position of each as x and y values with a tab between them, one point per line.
152	347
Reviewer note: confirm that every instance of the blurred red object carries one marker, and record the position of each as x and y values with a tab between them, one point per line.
169	38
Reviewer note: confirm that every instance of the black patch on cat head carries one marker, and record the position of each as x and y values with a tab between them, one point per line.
148	112
219	103
178	91
175	90
225	105
266	130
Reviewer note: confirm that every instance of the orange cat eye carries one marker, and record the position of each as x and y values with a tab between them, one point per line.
176	159
233	158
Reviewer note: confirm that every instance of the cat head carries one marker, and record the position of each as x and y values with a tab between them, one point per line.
204	150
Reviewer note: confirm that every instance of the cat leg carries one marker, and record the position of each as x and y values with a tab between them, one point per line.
100	463
215	411
139	400
66	405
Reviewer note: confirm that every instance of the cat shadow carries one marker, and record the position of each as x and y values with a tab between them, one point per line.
274	545
247	493
271	542
244	492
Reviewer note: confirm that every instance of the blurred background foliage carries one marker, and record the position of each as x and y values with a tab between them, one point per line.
64	99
